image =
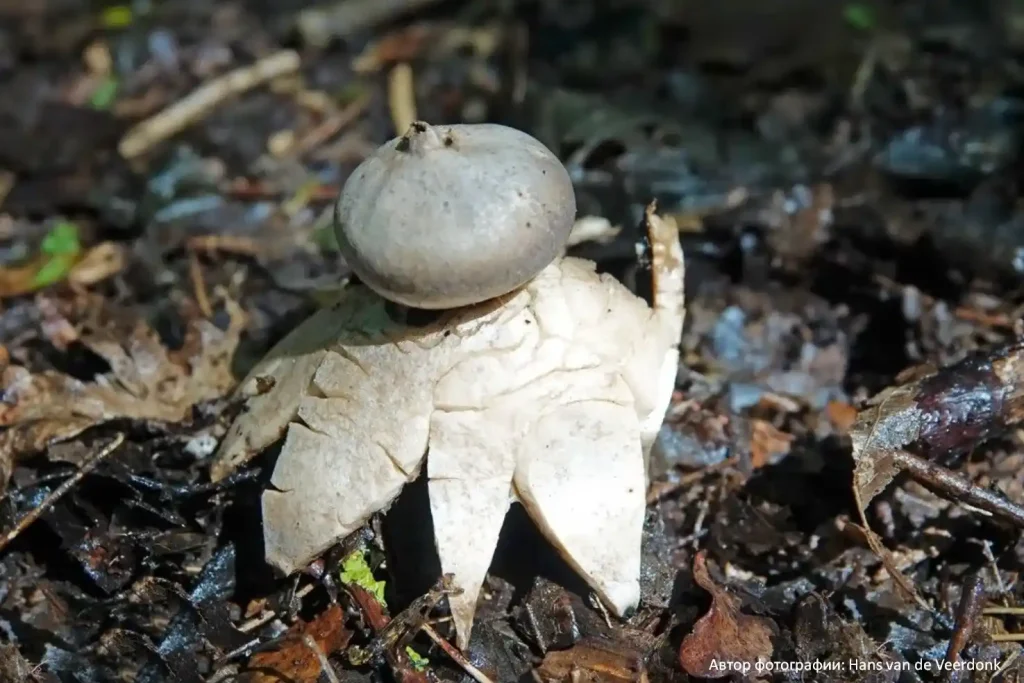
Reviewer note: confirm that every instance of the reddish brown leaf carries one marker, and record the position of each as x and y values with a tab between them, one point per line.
294	661
594	660
724	637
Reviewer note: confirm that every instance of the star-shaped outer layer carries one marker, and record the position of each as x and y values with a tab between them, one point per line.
552	397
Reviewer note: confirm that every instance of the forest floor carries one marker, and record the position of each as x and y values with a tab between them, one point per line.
846	175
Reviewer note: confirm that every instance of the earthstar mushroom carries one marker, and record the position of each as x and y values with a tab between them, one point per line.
450	216
550	392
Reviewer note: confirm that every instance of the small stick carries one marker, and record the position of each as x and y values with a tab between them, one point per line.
332	125
596	603
195	272
231	244
61	490
986	547
266	617
205	99
453	652
325	665
401	97
660	491
953	485
1007	611
1007	663
972	597
1007	637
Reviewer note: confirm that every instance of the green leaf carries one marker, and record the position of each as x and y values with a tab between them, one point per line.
860	16
354	569
54	270
104	94
418	661
118	16
62	239
62	246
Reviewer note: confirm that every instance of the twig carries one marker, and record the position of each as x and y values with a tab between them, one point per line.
659	492
231	244
205	99
195	273
1007	637
330	126
1007	663
959	488
264	618
972	597
401	97
453	652
325	665
986	548
1009	611
595	602
48	502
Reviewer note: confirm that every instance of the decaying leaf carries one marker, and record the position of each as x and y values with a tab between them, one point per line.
768	442
594	660
939	411
933	412
294	660
724	638
551	397
146	380
13	667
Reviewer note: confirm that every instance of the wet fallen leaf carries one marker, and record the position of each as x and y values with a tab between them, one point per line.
937	411
724	636
594	660
933	411
295	661
146	380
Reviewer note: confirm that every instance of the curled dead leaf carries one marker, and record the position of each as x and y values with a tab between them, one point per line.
724	636
146	381
934	411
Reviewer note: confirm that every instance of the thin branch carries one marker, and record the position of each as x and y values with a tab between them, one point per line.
61	490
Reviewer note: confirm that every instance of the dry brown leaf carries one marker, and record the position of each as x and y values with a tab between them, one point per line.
594	660
146	381
295	661
767	441
724	637
13	667
102	261
841	414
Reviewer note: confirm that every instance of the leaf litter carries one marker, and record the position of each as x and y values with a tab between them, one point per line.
146	381
853	215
